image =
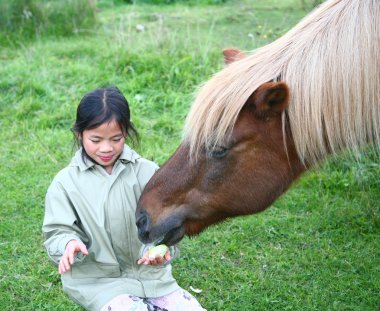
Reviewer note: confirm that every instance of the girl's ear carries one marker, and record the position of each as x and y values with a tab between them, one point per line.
79	136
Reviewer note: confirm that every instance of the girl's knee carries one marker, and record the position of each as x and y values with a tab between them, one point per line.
180	300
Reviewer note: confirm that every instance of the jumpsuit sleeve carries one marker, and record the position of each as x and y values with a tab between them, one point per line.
61	223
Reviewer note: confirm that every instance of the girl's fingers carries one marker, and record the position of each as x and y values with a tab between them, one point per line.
68	258
83	249
145	261
66	264
158	261
167	256
141	261
71	258
61	268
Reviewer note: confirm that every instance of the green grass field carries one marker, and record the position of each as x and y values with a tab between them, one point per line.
317	248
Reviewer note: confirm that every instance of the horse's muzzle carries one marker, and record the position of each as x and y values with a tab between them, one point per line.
142	223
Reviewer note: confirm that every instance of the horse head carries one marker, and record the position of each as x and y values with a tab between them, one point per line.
247	137
252	168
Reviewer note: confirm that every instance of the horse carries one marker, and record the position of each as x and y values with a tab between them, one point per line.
266	118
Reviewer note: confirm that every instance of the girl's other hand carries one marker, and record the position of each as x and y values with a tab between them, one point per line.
73	247
156	261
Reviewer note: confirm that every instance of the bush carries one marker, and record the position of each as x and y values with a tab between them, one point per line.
31	18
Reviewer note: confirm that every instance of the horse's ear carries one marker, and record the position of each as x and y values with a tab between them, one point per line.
232	54
269	99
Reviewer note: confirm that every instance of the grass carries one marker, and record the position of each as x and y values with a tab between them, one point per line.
22	20
317	248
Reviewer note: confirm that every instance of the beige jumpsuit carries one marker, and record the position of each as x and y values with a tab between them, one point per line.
85	203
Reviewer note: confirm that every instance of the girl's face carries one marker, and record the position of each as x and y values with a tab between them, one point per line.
104	144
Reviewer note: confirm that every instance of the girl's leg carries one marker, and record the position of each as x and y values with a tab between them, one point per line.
125	302
180	300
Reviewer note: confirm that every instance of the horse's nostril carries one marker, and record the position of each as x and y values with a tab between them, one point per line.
142	223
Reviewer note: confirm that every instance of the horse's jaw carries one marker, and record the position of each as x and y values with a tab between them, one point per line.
173	236
175	226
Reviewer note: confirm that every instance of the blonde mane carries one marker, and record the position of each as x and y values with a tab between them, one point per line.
331	63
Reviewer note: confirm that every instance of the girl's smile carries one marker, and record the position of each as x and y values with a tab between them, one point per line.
105	159
104	144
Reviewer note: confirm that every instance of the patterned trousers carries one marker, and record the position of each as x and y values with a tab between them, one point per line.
180	300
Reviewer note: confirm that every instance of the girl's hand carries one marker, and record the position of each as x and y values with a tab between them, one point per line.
73	247
156	261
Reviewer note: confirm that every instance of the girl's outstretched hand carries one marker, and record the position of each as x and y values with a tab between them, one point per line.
157	260
73	247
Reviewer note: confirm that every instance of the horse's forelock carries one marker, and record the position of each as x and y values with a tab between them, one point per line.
331	63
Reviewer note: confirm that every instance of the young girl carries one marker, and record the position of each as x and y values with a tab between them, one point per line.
89	221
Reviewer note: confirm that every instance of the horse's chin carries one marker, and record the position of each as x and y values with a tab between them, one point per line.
173	236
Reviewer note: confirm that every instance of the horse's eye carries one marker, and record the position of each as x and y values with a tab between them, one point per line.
218	152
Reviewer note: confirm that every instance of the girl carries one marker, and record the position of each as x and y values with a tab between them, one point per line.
89	221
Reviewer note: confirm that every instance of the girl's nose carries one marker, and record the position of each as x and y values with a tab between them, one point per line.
106	147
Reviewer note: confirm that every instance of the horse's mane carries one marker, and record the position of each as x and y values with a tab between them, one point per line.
331	63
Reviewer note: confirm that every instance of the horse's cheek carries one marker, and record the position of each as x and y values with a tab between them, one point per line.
216	174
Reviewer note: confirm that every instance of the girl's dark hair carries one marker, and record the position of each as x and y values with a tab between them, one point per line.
101	106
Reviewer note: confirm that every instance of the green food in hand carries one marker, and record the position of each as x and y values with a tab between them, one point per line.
159	250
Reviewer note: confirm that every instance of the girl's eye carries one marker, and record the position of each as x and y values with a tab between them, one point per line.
218	152
95	141
117	139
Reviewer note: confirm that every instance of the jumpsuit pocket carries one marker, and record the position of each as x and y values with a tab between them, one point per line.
95	270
